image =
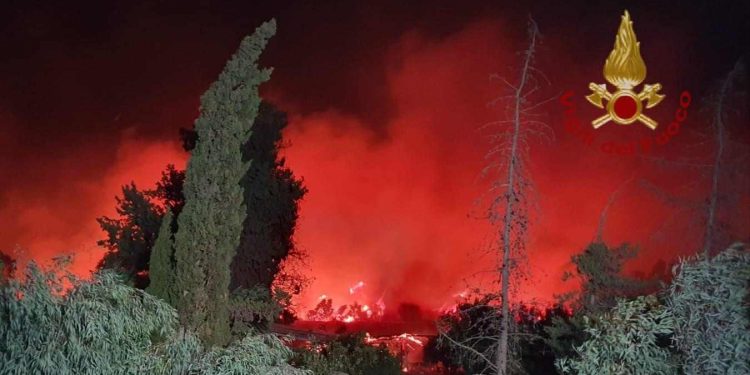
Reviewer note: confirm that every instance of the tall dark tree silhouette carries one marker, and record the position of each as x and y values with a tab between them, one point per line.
210	224
169	189
131	236
272	194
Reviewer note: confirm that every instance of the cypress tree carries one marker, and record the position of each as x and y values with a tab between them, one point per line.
210	223
161	265
271	194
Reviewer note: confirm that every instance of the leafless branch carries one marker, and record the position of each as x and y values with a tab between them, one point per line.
605	210
718	123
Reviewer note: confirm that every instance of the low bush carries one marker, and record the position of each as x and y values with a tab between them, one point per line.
54	323
349	354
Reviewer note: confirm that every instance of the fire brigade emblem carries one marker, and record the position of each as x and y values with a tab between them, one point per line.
625	69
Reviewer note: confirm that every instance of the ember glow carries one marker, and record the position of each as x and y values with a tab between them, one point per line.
325	310
359	285
406	346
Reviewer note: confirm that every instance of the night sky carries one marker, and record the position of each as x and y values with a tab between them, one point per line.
384	102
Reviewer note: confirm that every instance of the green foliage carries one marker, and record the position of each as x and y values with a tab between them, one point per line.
272	195
599	269
161	264
169	190
98	327
532	341
705	315
709	300
565	333
210	223
350	355
252	355
266	255
131	236
255	308
104	327
625	342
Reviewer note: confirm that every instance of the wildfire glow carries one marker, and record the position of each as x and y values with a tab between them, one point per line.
406	346
412	339
447	308
359	285
325	310
463	294
402	341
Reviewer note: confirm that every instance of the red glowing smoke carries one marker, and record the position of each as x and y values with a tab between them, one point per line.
45	221
395	208
396	211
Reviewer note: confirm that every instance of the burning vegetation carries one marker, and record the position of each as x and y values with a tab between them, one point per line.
325	311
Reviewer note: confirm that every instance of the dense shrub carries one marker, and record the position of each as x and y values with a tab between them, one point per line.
255	309
98	326
475	325
349	354
599	269
705	315
709	300
104	327
625	341
469	336
254	354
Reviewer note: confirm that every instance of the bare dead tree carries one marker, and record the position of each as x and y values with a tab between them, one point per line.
508	203
720	174
720	138
508	211
507	208
599	237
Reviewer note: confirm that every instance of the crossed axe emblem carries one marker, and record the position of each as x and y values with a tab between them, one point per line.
624	106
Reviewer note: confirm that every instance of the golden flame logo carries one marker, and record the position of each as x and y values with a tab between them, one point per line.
625	69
